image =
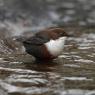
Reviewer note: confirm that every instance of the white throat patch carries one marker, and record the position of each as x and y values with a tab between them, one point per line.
55	47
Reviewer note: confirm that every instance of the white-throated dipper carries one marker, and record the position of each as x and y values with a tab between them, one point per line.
46	44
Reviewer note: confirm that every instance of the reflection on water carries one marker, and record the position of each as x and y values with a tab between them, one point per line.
73	73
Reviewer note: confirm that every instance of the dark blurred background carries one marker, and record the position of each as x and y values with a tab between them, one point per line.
48	12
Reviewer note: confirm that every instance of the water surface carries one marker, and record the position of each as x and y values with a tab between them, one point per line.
72	73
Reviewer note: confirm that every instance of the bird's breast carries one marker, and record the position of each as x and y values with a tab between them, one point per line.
55	47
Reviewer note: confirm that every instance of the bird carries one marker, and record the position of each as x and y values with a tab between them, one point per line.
46	44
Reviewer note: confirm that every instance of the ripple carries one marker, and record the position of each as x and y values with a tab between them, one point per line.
75	92
84	61
17	70
84	47
77	78
35	78
72	65
3	60
25	90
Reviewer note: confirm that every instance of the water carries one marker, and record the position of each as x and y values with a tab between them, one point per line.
72	73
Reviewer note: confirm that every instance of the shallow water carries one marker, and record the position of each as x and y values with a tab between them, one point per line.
72	73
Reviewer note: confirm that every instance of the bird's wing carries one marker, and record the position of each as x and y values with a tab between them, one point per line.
37	40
